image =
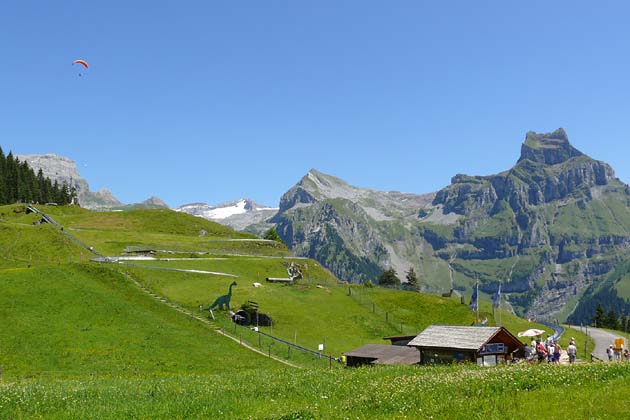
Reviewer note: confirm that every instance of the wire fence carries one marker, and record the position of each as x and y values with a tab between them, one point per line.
275	346
362	296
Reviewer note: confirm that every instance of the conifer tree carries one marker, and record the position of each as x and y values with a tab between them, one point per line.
412	279
20	184
3	159
612	321
389	278
600	319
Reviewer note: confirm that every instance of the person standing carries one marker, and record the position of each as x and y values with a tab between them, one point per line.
611	353
556	353
572	352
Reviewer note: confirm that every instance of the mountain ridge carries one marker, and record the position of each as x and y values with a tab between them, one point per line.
555	222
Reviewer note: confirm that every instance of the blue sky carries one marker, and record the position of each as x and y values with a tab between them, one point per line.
211	101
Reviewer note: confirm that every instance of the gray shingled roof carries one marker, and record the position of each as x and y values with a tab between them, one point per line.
386	354
452	336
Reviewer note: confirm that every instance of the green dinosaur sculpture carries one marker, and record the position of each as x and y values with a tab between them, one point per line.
224	300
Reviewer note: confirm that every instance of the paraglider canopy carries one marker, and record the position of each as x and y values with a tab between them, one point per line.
82	62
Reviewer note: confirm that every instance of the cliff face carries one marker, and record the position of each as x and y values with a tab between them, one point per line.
64	170
548	228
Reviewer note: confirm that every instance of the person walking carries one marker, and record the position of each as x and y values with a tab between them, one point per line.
556	353
550	351
572	352
611	353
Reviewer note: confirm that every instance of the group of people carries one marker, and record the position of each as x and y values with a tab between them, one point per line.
549	351
617	354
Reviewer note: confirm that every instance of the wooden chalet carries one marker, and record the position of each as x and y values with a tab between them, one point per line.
382	354
486	346
400	340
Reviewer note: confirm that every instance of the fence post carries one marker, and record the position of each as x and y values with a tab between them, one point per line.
270	350
585	341
386	316
259	341
288	351
330	361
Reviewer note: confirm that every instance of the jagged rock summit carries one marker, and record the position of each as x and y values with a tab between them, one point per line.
548	148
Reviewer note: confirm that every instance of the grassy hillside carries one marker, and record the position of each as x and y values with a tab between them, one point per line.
75	332
77	320
314	311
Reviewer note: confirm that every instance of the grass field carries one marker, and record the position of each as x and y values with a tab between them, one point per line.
590	391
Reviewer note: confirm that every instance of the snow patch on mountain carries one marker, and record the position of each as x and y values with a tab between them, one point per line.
228	210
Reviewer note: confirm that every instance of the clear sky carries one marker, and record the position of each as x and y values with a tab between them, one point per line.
215	100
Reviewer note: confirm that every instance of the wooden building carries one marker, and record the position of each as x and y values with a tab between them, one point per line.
382	354
486	346
400	340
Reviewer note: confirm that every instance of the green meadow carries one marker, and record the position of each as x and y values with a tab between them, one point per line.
81	339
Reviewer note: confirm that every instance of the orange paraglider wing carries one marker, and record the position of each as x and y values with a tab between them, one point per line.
82	62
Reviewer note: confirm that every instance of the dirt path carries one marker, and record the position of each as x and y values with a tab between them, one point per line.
602	339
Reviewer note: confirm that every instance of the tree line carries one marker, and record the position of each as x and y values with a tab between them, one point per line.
20	184
611	319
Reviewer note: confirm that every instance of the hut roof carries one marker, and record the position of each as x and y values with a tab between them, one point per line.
386	354
457	337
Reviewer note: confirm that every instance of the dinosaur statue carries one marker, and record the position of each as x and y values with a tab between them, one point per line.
223	300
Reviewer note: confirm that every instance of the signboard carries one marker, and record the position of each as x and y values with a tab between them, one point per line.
494	348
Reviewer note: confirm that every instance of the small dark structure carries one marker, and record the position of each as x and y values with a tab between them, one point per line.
400	340
249	315
382	354
486	346
279	280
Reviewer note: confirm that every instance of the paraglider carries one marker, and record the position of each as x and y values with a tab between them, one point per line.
81	62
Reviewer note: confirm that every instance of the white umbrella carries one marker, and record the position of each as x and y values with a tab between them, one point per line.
531	333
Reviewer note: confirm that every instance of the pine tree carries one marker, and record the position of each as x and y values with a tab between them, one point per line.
389	278
272	235
599	319
11	179
412	279
3	189
612	321
19	183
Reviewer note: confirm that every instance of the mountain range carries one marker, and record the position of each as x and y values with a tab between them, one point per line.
64	170
553	231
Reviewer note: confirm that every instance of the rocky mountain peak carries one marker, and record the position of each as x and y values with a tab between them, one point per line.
548	148
64	170
154	201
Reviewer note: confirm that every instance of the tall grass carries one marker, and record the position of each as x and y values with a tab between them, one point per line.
456	392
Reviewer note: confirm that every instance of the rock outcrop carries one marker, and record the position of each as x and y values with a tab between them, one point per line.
64	170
